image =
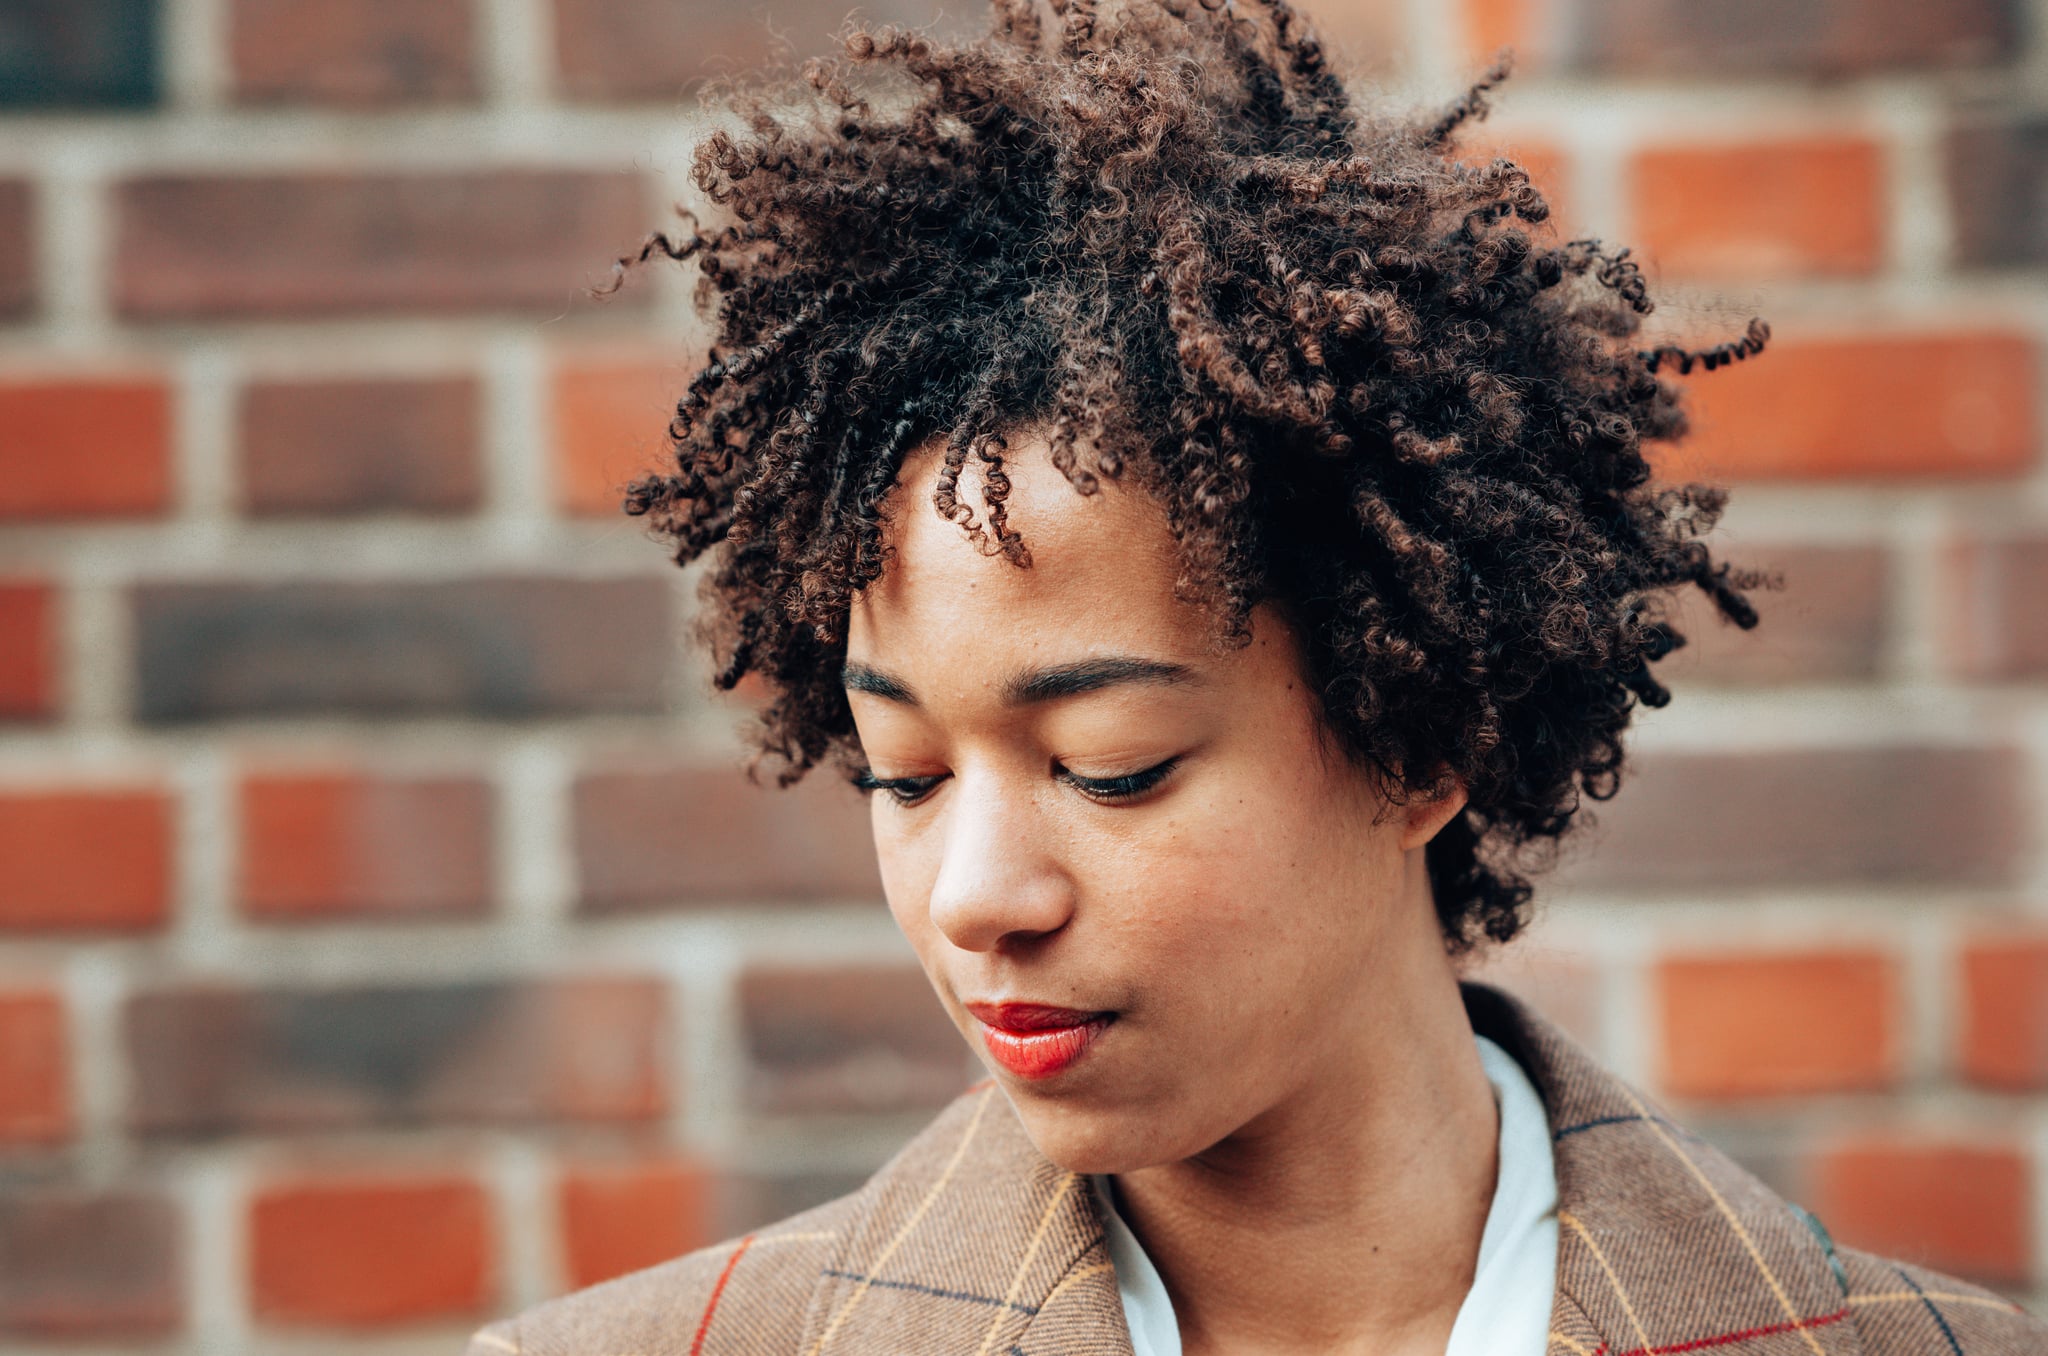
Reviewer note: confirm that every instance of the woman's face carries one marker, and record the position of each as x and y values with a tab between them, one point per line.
1088	806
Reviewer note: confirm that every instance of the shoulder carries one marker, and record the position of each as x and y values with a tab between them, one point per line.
1647	1208
759	1286
1900	1309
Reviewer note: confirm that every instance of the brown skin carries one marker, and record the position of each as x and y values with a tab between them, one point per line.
1302	1135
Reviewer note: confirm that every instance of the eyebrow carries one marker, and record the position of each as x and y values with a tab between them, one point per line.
1036	685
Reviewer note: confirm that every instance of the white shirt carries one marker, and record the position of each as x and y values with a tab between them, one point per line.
1507	1310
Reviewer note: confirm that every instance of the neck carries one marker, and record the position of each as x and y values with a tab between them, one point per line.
1348	1218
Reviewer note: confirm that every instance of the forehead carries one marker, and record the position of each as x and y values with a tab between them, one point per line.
1101	577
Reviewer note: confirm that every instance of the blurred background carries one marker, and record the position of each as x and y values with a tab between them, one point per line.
387	940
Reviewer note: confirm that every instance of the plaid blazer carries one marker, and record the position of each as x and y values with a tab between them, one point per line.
969	1241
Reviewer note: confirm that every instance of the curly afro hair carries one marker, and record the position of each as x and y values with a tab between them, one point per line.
1163	236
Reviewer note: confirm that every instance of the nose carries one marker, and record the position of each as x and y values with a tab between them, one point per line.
999	881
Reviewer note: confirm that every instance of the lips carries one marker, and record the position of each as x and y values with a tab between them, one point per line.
1037	1040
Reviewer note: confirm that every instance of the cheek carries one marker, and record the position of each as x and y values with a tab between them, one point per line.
909	862
1243	897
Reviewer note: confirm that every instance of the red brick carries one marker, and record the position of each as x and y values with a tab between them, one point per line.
1815	816
654	838
620	1217
1828	622
218	247
611	424
369	446
84	448
1896	407
28	650
367	1253
1954	1207
80	1265
1997	176
214	1059
1996	626
1763	1024
1784	207
17	249
1818	37
1486	26
504	647
620	50
857	1038
2004	1036
86	859
359	53
35	1087
343	845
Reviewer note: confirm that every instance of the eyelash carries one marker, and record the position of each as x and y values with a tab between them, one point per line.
1111	789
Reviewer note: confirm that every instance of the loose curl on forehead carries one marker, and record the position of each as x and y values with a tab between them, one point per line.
1163	235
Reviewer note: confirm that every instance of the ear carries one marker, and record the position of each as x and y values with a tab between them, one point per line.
1424	819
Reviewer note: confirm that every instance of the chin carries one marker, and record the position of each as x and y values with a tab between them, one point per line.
1093	1139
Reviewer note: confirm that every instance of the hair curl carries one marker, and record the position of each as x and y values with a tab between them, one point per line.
1163	235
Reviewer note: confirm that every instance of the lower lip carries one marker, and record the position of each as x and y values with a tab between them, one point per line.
1041	1054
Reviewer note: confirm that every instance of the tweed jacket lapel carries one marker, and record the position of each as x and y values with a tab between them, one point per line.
973	1242
1664	1244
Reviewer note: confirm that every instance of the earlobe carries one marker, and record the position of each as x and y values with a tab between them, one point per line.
1426	818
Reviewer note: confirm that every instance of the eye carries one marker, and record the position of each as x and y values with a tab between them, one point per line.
1127	787
902	790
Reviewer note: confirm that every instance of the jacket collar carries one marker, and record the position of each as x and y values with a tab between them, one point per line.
1664	1245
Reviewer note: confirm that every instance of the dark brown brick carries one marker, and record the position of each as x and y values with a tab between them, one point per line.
505	647
1816	37
622	50
198	246
853	1039
1998	191
1997	627
341	447
654	838
78	53
352	52
1951	816
75	1265
744	1203
219	1060
17	249
1828	622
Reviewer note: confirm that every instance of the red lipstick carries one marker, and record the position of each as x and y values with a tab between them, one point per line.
1037	1040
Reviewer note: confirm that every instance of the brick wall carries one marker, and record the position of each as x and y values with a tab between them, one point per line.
385	939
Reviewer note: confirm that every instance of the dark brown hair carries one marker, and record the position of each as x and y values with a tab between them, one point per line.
1359	383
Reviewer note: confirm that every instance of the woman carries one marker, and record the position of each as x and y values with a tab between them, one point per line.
1218	537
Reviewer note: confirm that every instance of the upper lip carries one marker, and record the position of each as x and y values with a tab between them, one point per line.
1021	1016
